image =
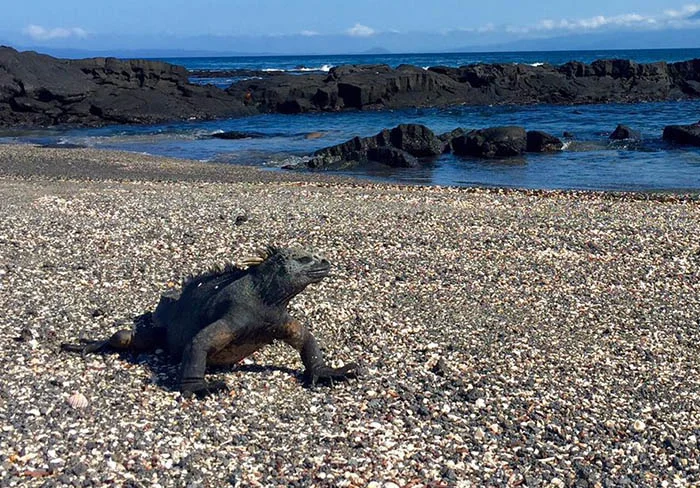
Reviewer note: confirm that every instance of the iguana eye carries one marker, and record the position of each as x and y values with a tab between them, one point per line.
304	260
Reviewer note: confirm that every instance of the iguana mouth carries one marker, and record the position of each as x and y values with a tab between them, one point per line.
319	272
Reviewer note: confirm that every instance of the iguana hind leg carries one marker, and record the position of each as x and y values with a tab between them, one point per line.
301	339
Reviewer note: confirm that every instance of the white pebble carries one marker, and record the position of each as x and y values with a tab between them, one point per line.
556	482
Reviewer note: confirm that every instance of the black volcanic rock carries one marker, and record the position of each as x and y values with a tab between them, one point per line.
381	87
232	73
350	87
39	90
623	132
683	134
398	147
538	141
493	142
392	156
348	153
447	137
416	139
234	135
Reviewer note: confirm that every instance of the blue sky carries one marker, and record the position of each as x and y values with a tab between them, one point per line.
308	25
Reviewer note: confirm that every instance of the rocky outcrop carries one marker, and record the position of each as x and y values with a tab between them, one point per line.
39	90
623	132
494	142
398	147
416	140
348	87
382	87
403	145
448	137
392	156
538	141
683	134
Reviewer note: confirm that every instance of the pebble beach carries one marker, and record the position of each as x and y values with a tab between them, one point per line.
507	338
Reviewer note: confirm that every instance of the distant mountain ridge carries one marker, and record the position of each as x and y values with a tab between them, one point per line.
378	43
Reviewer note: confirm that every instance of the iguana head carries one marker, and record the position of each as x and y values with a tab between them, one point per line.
285	272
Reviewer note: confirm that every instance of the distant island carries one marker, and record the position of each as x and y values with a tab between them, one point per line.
376	50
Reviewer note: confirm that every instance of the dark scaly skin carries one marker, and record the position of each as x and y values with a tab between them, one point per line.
220	318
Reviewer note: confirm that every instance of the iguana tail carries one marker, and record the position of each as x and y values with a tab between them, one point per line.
145	336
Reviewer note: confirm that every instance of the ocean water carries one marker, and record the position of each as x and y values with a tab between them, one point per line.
590	161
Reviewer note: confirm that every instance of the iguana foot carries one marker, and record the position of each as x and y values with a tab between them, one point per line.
326	373
86	346
201	388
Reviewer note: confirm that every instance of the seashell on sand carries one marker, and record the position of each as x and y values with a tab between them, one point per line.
77	400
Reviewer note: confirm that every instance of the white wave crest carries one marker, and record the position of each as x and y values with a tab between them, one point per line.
324	69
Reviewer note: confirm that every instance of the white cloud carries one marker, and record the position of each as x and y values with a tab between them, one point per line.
359	30
685	11
669	18
592	23
309	33
687	16
486	28
39	33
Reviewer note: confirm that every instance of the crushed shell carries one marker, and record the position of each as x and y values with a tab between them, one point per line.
509	338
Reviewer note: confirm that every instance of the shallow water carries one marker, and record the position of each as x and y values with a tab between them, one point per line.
590	160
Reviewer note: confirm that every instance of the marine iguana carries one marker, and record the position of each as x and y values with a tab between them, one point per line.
225	315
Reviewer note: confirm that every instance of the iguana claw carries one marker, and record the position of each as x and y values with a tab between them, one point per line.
203	388
326	373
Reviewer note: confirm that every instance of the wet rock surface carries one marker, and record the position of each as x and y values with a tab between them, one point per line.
407	145
398	147
510	337
233	135
683	134
493	142
539	141
624	132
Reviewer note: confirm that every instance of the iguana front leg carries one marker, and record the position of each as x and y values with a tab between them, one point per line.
212	338
300	338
